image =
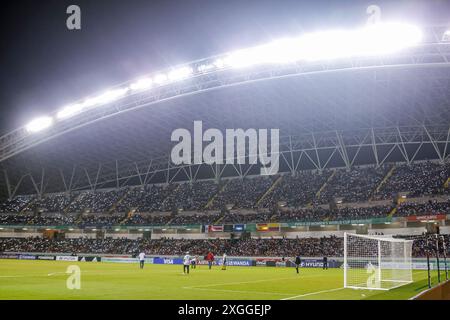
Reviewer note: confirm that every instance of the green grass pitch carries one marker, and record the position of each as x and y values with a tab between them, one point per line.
47	280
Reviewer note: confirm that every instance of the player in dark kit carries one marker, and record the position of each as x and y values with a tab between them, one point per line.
325	263
297	263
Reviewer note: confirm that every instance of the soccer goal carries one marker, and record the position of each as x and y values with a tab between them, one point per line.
376	263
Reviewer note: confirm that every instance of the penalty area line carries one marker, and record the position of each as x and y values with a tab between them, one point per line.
313	293
238	291
241	282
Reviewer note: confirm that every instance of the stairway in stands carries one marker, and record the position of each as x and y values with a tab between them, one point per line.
446	183
114	206
74	199
382	182
219	220
211	201
121	222
392	212
29	204
271	188
325	184
170	221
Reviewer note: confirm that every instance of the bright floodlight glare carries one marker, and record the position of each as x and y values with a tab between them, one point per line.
180	73
39	124
219	63
378	39
205	67
160	79
141	84
111	95
446	36
69	111
104	98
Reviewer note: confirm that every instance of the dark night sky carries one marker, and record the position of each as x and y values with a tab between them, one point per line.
45	66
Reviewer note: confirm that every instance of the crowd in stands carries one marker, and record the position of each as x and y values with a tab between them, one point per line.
425	178
426	244
146	199
355	185
322	214
190	196
51	203
428	208
242	193
330	246
199	218
287	197
150	219
36	219
309	214
305	247
235	217
17	204
296	190
101	201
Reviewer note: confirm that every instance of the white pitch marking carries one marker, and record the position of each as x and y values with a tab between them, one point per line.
239	291
313	293
242	282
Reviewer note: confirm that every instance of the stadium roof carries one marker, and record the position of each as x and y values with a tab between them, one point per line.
338	112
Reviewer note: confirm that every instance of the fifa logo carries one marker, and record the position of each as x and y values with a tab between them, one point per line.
238	141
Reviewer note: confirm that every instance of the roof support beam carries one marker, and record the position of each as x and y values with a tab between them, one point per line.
8	184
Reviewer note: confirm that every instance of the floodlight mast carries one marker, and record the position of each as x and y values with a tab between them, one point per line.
211	73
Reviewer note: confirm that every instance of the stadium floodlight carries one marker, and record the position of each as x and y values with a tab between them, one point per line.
218	64
205	67
180	73
446	36
89	102
105	97
111	95
39	124
69	111
160	79
141	84
378	39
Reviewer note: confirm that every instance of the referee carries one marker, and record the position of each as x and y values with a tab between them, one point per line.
325	263
297	263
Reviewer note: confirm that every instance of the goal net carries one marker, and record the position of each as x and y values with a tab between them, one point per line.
376	263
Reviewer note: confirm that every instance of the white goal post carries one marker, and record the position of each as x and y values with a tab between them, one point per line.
376	263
